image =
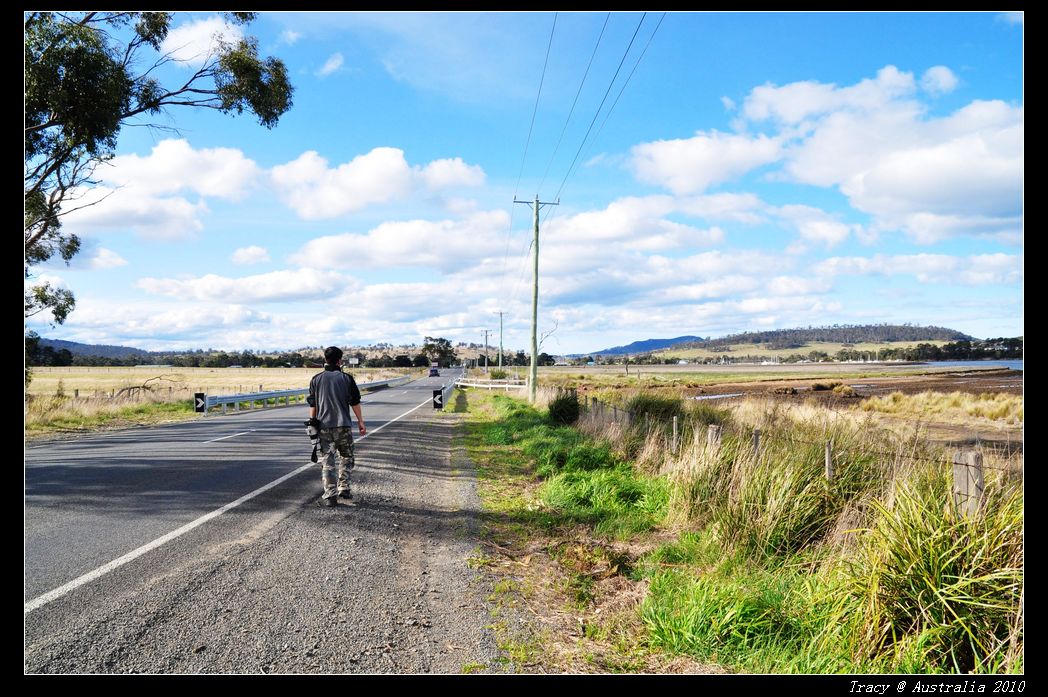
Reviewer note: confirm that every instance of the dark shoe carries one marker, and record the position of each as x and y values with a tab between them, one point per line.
346	494
327	502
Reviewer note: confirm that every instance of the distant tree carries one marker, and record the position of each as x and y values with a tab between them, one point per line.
421	361
439	350
86	75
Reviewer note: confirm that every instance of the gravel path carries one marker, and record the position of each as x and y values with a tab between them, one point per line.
381	585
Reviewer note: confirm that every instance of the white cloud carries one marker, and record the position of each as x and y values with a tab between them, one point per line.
741	208
815	225
174	165
162	325
332	64
930	177
795	102
194	42
277	286
938	80
448	173
250	255
289	37
136	192
152	217
445	245
315	191
729	103
106	259
693	165
635	221
1011	17
930	268
797	285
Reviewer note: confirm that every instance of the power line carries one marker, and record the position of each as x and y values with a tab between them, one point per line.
595	115
536	109
556	149
624	84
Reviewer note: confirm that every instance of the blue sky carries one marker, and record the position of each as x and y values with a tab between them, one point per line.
758	171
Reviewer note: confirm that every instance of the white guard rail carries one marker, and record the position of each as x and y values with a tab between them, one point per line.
211	401
492	384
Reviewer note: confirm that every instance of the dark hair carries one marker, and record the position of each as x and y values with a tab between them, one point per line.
332	354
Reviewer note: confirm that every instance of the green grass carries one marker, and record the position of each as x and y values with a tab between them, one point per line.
775	568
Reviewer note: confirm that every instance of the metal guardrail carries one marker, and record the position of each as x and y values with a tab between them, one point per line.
493	384
211	401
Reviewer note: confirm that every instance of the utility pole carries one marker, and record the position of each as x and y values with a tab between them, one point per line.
485	350
535	298
500	339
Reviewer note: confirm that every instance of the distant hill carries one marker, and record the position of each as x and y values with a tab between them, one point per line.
103	350
641	346
794	338
838	333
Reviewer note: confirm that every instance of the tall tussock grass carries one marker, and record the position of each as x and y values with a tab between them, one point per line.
892	575
780	568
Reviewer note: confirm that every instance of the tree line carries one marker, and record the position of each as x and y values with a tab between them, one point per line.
837	333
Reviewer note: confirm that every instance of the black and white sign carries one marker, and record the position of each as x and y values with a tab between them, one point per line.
438	399
201	401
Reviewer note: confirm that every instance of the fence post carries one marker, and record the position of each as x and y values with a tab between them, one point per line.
829	460
76	394
967	482
756	442
674	449
713	437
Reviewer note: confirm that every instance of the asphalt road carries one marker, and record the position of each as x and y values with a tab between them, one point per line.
92	500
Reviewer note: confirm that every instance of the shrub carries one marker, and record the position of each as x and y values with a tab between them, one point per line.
499	374
824	386
655	406
564	409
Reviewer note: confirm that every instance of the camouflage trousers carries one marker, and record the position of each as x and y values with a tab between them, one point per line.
332	441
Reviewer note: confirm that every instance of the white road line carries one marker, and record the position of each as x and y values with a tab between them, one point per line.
232	436
57	593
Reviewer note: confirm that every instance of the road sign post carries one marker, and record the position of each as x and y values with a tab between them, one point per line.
200	402
438	399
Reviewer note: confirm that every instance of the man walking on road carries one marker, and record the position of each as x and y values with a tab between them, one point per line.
332	394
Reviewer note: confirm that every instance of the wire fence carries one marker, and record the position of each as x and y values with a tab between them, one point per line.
968	463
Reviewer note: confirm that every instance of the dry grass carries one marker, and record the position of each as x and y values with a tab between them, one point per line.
952	407
181	383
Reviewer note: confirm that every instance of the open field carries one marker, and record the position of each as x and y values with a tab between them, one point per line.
182	382
965	407
77	399
763	350
713	375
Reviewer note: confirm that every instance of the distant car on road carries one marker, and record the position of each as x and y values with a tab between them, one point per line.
434	370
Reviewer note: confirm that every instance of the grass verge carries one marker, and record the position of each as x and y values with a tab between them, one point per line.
749	558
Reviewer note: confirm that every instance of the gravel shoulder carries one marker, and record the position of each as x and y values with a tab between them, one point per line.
381	585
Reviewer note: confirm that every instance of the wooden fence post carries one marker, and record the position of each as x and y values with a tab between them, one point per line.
829	460
756	442
713	437
674	448
76	394
967	482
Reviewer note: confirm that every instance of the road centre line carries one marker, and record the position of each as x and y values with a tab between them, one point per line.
62	590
